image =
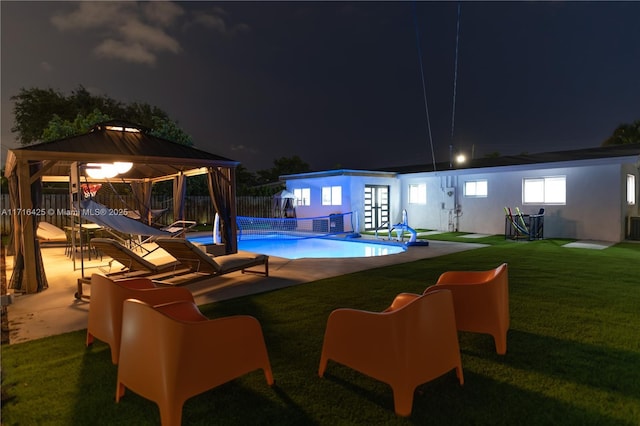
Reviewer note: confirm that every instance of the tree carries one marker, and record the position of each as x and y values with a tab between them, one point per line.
282	166
44	114
168	129
59	128
266	182
34	109
245	180
624	134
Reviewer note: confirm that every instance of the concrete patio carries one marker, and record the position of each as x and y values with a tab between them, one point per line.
56	310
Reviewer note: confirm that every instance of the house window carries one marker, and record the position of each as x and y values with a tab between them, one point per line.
548	190
303	196
418	193
331	195
631	190
475	188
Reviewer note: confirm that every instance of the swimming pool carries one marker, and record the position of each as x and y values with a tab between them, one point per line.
314	247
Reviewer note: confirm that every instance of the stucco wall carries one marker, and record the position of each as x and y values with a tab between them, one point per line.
595	209
630	210
595	205
352	194
591	210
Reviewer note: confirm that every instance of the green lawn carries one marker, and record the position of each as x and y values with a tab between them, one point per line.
573	353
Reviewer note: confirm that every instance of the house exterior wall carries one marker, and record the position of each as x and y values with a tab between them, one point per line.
596	205
431	215
315	185
629	211
357	186
352	194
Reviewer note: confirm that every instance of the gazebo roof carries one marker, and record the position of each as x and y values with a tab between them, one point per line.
153	157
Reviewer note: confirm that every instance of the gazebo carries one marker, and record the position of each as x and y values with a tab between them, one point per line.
284	204
105	148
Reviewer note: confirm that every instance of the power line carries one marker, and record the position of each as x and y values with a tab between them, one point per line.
424	88
455	75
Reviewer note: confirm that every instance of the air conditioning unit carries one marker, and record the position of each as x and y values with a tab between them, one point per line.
634	228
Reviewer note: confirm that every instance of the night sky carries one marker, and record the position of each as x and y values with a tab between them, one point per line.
339	83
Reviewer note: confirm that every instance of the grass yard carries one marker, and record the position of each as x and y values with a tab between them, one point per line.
573	354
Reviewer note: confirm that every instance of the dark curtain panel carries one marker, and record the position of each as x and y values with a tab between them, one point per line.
142	199
15	282
13	203
36	201
218	190
179	193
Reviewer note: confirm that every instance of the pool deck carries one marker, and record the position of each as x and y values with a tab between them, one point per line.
56	310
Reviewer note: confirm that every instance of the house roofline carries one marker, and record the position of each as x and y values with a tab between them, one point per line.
627	152
340	172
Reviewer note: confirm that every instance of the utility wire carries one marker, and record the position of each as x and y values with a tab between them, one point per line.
424	88
455	76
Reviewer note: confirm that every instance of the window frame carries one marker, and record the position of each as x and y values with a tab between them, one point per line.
631	190
334	191
545	180
475	182
421	193
301	200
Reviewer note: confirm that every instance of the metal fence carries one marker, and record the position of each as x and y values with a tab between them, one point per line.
56	208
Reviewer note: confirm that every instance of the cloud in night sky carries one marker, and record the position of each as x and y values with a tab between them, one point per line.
138	32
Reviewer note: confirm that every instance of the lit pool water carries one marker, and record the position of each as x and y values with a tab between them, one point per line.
314	247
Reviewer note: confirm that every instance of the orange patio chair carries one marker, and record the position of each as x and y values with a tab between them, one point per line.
402	347
481	301
105	307
194	354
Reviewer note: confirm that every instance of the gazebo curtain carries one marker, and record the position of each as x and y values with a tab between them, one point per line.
179	192
218	189
16	281
142	199
14	201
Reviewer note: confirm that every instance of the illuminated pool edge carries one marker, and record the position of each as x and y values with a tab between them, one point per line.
315	248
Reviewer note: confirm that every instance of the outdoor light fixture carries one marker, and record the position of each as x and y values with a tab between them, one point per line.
123	129
460	158
122	166
107	170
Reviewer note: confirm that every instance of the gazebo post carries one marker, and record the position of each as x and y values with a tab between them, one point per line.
25	235
232	198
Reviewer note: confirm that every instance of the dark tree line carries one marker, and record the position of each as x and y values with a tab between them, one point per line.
625	133
42	115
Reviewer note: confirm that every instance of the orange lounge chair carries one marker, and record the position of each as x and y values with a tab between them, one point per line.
402	347
105	307
481	301
198	354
